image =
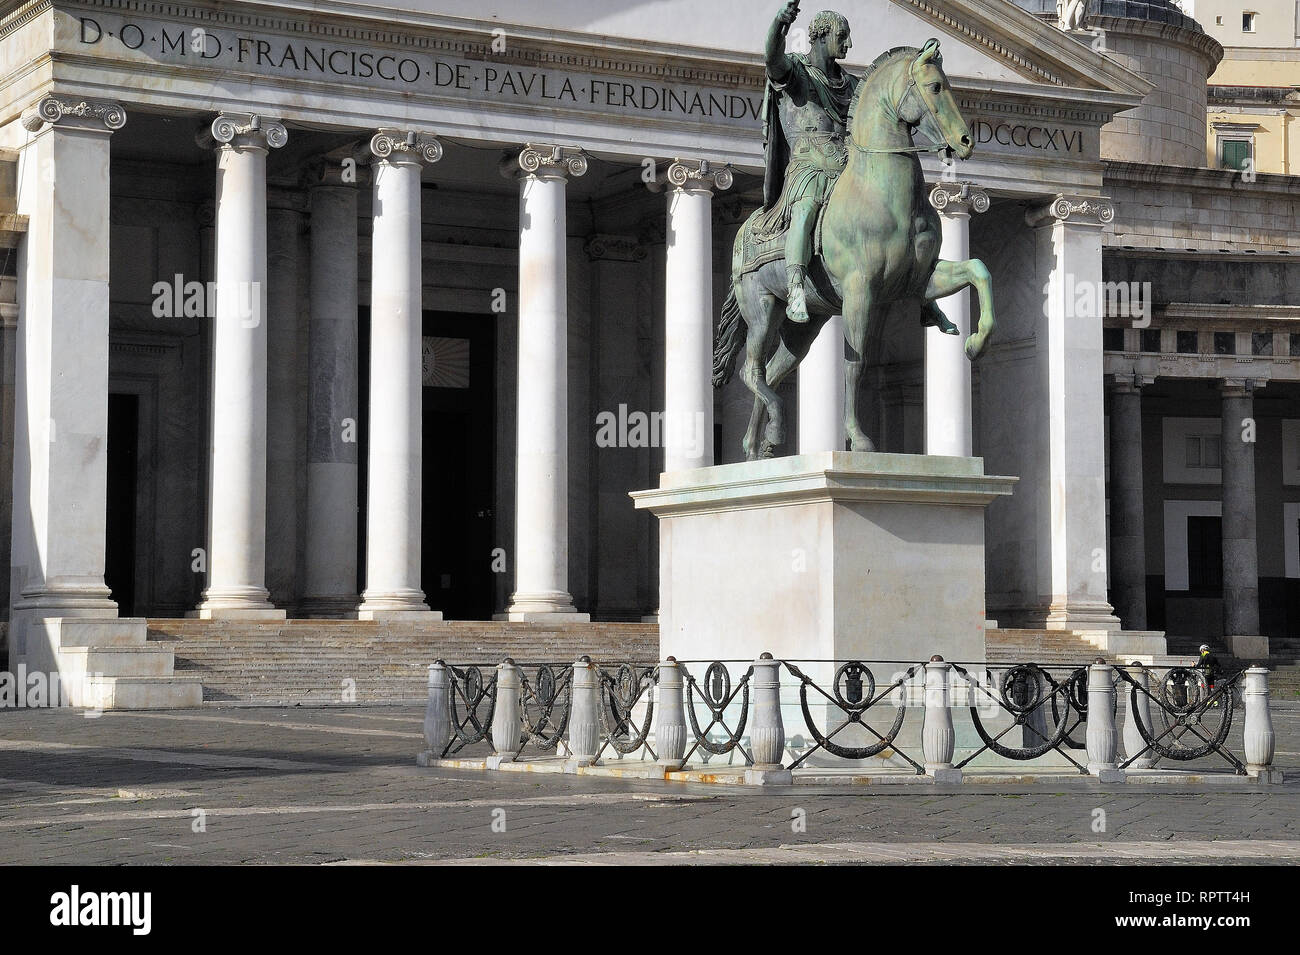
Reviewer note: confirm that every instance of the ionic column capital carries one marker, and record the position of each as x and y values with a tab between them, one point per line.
333	172
91	114
615	248
1076	210
1129	383
958	198
1239	387
693	175
404	146
544	162
243	131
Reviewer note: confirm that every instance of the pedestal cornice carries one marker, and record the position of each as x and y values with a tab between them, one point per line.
825	476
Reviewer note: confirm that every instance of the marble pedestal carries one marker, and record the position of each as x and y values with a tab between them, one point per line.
828	556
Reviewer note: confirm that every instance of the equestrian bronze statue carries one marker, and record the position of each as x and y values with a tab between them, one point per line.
846	227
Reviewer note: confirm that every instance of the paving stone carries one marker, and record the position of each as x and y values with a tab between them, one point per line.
315	786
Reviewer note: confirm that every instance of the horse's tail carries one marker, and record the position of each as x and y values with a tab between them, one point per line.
728	340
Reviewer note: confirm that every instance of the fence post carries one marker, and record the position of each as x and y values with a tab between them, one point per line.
1135	708
938	738
1259	736
437	713
670	718
767	737
507	725
1102	737
584	720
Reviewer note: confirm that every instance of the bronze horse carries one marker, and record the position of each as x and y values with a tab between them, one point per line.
879	245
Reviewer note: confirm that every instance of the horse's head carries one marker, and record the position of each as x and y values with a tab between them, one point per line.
928	103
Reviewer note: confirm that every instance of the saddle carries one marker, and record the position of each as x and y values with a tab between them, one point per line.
757	250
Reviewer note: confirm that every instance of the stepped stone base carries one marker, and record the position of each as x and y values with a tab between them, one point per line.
105	663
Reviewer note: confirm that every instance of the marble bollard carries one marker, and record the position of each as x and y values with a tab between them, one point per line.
1138	706
1102	739
670	716
507	724
1260	739
767	732
584	719
938	737
437	713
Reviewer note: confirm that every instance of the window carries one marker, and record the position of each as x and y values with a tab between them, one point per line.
1218	21
1248	22
1261	343
1187	343
1202	450
1295	345
1150	339
1205	555
1233	153
1112	339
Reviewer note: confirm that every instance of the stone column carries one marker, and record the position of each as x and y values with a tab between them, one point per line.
1070	499
13	228
1128	557
60	462
688	313
821	391
330	558
1240	556
395	470
948	428
284	226
541	558
237	524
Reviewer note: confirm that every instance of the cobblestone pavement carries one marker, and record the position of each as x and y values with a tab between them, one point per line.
244	785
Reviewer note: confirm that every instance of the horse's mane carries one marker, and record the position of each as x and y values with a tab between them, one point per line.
886	57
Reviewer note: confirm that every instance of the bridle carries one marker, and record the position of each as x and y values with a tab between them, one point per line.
912	84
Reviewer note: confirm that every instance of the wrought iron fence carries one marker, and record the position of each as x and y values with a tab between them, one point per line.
883	714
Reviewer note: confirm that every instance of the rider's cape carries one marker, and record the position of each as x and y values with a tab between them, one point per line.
775	146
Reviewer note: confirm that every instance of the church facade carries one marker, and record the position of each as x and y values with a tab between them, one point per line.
337	310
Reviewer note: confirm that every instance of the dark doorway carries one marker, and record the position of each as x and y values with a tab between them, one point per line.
459	358
1205	556
123	464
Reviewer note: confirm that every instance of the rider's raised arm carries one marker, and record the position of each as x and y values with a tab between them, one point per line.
778	64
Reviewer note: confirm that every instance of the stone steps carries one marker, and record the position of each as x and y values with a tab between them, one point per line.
308	661
109	663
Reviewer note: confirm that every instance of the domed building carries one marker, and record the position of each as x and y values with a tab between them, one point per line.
1209	378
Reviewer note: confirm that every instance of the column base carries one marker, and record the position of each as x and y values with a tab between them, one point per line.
542	616
395	605
550	607
68	600
390	616
1247	647
236	603
1078	615
236	613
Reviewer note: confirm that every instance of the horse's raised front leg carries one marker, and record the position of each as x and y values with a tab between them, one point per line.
858	315
949	278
